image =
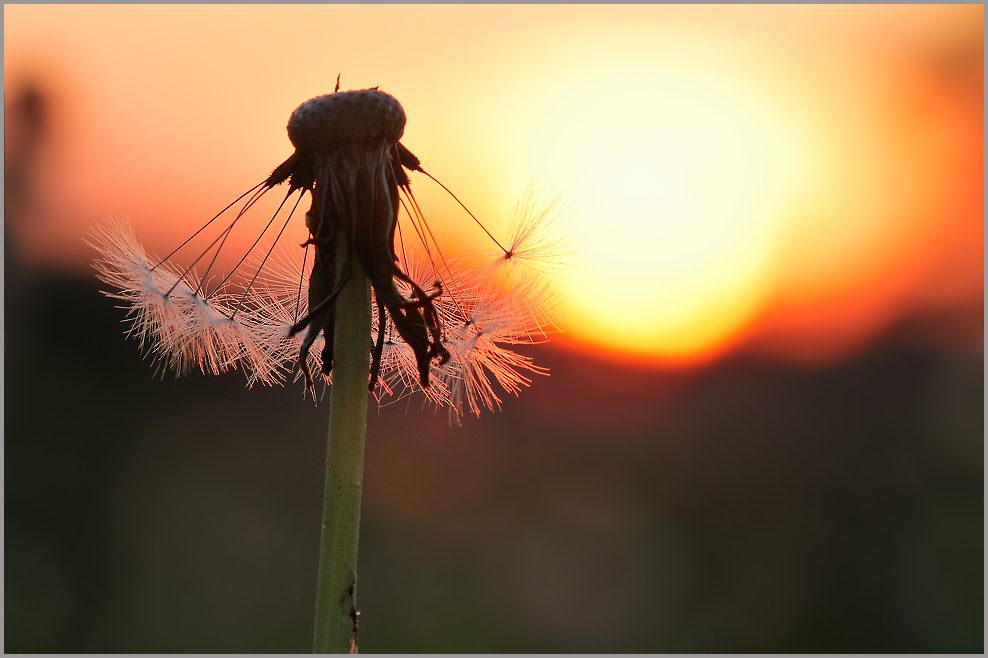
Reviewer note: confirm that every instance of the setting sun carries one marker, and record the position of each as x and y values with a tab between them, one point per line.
681	172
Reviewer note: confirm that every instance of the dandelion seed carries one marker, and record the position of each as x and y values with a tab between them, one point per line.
165	313
276	304
478	332
539	241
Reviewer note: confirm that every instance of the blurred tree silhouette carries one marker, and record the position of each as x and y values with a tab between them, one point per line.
25	126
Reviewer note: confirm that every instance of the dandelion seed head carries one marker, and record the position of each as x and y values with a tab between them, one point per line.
444	328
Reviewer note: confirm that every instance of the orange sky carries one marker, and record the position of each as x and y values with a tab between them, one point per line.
790	178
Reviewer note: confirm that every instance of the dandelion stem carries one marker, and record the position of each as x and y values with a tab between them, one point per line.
336	611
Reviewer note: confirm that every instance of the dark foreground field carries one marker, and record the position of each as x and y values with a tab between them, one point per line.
750	508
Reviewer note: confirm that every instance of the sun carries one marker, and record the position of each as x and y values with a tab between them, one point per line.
682	167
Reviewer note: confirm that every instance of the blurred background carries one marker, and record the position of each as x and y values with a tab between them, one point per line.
763	428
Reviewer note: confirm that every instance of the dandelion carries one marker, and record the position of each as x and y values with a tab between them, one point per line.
443	327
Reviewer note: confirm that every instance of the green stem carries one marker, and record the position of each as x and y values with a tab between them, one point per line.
336	587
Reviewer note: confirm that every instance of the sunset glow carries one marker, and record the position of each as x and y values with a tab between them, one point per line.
789	180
